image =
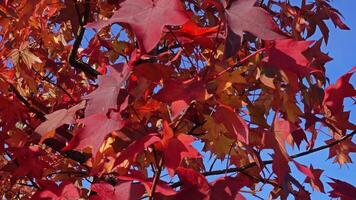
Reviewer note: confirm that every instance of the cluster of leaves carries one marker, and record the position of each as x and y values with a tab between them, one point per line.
100	98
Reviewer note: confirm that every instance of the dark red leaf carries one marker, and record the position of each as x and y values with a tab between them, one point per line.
342	190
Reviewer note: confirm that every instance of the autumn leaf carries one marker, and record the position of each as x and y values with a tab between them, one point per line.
193	30
228	188
342	190
29	162
25	55
162	187
147	19
242	16
195	185
57	119
281	56
336	93
315	182
137	147
50	190
125	190
235	124
106	95
181	93
96	128
341	151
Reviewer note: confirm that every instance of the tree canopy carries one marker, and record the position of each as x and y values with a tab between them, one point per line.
135	99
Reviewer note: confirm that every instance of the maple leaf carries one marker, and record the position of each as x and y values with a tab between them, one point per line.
181	93
26	56
304	169
280	55
175	147
195	185
105	96
162	186
57	119
228	188
50	190
236	125
153	71
192	30
244	16
283	130
125	190
137	147
342	190
96	128
29	162
147	19
186	90
315	182
341	151
335	94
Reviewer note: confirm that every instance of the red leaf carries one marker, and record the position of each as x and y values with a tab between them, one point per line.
315	182
147	19
282	129
283	57
125	190
137	147
244	16
175	148
335	94
235	124
342	190
105	96
153	71
59	118
50	190
186	90
304	169
162	186
97	127
195	185
181	93
29	162
228	188
192	30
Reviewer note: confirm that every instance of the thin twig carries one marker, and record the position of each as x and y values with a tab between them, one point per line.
156	178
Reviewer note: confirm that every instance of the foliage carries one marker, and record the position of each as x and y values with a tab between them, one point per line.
111	99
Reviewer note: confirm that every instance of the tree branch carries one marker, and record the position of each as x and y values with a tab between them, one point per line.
267	162
156	178
72	58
